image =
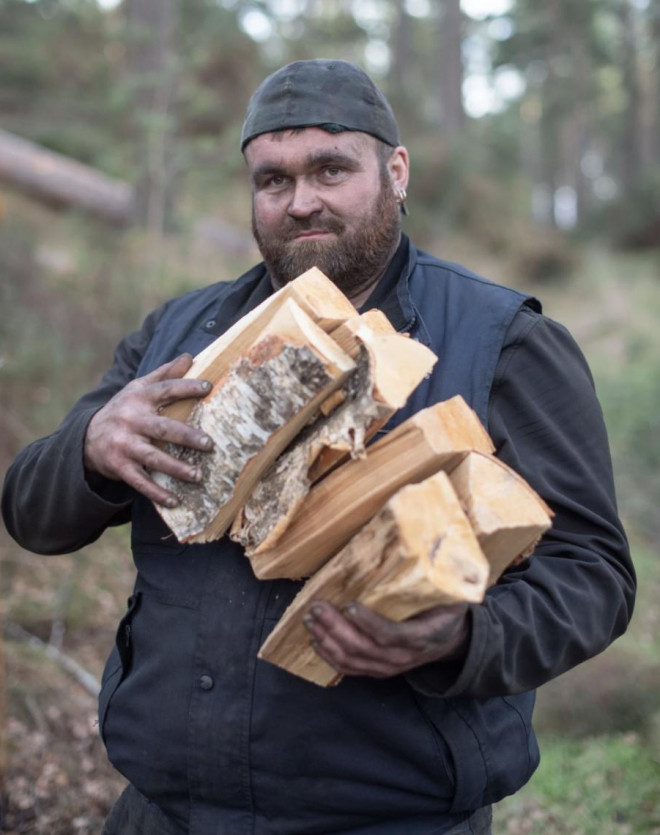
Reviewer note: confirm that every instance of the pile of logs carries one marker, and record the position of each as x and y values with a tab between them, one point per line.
423	516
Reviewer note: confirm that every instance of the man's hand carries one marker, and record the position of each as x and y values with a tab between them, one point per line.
119	440
360	642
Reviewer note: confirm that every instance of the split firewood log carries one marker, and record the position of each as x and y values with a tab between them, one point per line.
321	300
252	413
439	542
506	514
389	367
335	508
418	551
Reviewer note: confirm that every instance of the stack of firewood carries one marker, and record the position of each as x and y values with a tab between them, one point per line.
423	516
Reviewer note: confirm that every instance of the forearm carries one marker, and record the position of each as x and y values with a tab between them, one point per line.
48	504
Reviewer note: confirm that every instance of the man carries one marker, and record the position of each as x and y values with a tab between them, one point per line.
432	723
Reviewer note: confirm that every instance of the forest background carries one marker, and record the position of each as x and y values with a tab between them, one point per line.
534	132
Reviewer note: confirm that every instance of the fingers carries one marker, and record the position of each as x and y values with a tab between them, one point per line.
136	477
166	384
345	647
122	439
167	430
358	641
170	370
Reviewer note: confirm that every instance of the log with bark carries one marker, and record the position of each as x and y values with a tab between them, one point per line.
335	508
61	181
252	413
312	291
389	368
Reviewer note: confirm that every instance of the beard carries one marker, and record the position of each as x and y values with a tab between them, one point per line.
352	260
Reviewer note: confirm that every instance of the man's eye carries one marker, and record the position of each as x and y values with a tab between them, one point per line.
333	171
275	181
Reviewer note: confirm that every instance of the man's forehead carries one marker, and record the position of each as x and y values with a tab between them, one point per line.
300	143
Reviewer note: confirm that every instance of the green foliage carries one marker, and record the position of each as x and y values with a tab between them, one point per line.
603	786
631	402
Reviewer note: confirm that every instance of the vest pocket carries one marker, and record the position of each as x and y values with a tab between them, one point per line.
119	661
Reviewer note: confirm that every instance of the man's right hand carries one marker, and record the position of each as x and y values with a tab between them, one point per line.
119	443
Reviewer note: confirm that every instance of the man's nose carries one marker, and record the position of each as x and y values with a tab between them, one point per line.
305	200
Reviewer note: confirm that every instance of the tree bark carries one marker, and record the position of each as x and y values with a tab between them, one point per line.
252	414
389	368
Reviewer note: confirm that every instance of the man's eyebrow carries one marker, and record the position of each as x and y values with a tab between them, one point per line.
334	157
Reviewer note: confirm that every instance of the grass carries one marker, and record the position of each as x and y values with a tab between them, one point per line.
605	785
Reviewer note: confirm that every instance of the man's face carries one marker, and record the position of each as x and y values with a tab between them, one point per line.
324	200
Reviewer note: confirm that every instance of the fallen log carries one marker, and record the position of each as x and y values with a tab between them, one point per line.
252	413
389	368
435	438
417	552
59	180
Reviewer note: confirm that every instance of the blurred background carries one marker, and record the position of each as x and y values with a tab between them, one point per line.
534	133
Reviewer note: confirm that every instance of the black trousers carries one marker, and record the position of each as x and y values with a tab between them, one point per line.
133	814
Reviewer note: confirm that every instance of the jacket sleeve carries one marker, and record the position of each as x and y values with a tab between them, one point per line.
50	505
575	595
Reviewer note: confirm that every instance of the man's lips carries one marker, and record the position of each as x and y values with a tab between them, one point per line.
312	233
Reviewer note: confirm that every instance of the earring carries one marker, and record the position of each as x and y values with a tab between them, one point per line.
401	195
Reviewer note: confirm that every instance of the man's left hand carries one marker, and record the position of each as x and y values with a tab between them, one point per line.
360	642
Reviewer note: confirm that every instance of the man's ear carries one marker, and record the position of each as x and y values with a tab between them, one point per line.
399	168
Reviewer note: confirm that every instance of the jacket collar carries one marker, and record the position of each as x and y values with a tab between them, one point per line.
392	294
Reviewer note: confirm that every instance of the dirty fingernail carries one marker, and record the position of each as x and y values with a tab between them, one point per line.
308	620
206	386
351	610
171	502
207	442
196	474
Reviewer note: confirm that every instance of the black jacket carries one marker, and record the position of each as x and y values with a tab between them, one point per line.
225	743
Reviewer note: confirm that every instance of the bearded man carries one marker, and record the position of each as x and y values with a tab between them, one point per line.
431	724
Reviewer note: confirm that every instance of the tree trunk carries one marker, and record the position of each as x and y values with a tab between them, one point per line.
450	70
631	146
402	68
153	70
